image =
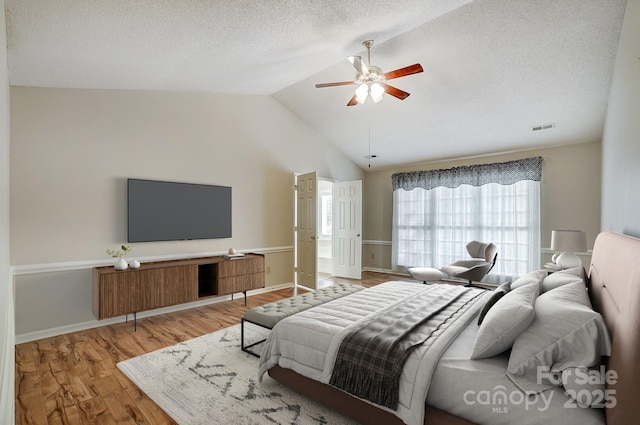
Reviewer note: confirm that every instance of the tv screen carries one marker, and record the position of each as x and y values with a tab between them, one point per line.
169	211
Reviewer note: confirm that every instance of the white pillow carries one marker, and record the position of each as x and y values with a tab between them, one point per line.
557	279
566	333
531	277
508	317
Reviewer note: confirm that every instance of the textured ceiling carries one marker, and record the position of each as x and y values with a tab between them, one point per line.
493	68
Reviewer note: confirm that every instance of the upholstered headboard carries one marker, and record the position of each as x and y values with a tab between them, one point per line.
615	292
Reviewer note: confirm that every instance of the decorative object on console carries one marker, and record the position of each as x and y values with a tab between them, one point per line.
134	264
568	242
233	254
121	263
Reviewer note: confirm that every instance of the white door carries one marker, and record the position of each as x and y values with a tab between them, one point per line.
306	230
347	230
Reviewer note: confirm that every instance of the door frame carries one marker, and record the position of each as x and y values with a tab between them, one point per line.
296	280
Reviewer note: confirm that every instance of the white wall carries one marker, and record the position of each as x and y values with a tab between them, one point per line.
72	151
7	332
621	140
68	201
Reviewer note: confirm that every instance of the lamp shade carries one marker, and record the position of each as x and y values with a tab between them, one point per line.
376	92
568	240
361	93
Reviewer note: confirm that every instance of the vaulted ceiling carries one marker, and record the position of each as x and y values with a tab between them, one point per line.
493	69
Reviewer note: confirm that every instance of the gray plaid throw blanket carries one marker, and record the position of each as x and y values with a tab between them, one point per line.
371	358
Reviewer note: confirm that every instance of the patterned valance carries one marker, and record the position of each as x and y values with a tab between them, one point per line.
504	173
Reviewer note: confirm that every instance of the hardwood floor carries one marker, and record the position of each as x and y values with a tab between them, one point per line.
73	379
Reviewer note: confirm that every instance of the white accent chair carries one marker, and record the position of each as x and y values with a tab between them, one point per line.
483	259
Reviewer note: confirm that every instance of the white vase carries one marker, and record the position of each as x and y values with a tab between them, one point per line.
134	264
121	264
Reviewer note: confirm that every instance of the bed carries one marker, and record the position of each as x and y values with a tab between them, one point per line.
458	388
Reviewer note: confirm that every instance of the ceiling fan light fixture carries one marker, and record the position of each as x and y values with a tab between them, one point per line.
376	92
371	79
361	93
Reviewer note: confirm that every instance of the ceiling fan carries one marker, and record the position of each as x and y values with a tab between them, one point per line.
371	79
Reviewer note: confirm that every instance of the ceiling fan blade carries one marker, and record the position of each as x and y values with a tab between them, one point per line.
353	101
407	70
400	94
342	83
359	65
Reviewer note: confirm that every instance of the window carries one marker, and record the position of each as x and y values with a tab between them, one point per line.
436	213
327	215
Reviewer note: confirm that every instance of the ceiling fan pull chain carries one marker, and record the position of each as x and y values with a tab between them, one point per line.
369	113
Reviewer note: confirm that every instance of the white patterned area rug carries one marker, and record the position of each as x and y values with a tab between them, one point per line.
209	380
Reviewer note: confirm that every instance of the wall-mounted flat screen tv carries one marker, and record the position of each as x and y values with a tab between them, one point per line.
169	211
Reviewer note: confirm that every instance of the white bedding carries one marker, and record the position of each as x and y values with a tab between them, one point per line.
471	389
307	342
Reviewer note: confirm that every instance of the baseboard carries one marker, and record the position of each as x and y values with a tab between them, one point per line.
77	327
386	271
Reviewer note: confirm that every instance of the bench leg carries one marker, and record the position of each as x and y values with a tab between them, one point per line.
245	348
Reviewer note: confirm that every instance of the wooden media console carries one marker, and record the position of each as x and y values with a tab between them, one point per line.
166	283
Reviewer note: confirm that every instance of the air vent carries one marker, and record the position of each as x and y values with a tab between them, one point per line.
543	127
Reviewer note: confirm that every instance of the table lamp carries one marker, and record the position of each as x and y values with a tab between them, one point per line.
568	242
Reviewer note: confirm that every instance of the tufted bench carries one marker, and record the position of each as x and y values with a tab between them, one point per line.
269	314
